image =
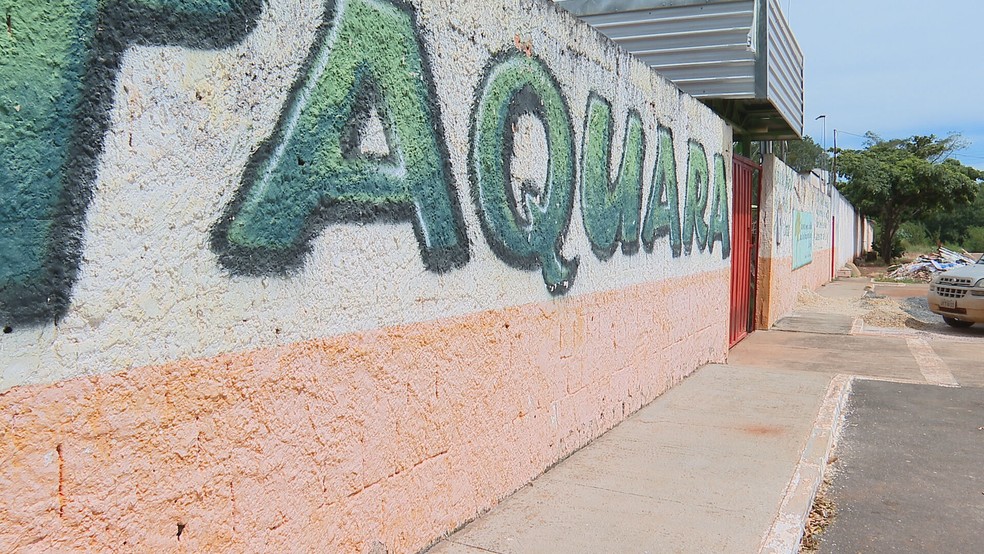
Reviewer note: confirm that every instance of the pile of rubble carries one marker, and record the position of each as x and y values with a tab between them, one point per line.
923	268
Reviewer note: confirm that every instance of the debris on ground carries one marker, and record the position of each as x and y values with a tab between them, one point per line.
923	268
821	515
808	300
876	310
884	312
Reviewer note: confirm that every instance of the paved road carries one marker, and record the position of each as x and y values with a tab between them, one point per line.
910	471
909	475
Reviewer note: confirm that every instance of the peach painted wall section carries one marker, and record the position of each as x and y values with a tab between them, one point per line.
345	278
391	436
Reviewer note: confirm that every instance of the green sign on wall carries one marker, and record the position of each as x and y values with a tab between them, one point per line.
802	239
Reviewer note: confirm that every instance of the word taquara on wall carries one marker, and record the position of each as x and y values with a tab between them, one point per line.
58	82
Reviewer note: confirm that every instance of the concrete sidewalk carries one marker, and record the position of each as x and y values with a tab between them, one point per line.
705	468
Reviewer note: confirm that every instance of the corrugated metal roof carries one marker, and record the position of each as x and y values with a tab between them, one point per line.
705	48
785	66
739	56
591	7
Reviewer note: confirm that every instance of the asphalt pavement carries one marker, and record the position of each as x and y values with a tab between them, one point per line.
909	473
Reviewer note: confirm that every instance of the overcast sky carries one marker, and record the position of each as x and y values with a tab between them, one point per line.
895	67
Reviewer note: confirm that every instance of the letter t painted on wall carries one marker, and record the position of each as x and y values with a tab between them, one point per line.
57	78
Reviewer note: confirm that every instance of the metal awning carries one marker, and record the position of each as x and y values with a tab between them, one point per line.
737	56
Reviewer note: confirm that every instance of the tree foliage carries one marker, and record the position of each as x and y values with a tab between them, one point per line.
953	226
901	180
804	155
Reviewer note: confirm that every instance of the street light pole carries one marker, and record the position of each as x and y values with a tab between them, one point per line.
824	141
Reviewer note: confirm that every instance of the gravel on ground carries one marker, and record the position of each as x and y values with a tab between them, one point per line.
875	310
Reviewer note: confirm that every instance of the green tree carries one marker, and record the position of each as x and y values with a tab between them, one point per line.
804	155
902	180
952	226
974	241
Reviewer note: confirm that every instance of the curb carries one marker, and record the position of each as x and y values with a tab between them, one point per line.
787	529
857	326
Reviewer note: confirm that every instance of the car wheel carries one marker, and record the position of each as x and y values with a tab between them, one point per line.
958	323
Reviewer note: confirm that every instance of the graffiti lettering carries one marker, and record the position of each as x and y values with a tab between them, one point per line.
663	209
57	80
611	211
525	232
783	191
719	228
314	171
695	207
360	138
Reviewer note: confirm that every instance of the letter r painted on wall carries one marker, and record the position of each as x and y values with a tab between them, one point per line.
359	139
57	79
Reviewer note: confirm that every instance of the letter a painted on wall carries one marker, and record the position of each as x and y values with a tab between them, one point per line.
367	68
695	208
663	210
58	70
719	229
525	232
611	210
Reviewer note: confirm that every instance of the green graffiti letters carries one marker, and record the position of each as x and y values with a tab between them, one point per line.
359	139
57	81
718	228
525	232
663	208
695	209
367	62
611	210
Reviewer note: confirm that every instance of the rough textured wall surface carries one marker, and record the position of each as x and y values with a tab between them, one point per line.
798	239
337	275
852	235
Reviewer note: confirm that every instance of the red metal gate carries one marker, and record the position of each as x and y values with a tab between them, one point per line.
746	176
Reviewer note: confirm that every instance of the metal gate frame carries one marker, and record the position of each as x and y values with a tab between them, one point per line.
747	186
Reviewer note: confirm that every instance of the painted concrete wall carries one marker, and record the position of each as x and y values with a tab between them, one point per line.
790	201
854	232
335	276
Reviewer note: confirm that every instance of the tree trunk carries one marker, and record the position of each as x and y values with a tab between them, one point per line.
885	247
887	238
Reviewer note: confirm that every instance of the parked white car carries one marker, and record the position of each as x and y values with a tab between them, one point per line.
958	295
